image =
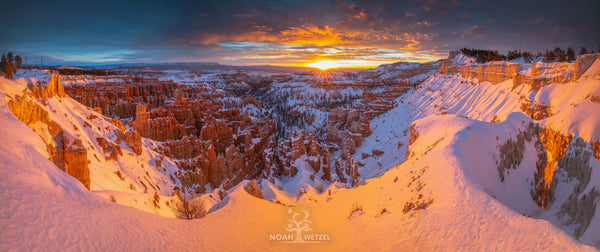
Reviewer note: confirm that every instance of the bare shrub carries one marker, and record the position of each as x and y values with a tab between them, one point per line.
189	207
355	209
382	212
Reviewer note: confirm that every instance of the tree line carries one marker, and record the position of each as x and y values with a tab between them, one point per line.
10	64
96	72
555	55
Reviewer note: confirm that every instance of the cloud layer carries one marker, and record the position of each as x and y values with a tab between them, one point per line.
290	32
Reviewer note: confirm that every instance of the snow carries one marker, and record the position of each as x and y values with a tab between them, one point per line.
450	171
49	210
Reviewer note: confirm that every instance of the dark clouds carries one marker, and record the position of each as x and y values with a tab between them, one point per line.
290	31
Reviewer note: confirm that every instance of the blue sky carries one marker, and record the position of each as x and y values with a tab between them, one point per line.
288	32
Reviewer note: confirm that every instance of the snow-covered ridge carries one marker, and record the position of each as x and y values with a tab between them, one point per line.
449	186
44	201
108	159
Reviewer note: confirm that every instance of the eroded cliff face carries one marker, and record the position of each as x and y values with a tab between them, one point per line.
414	135
555	145
572	175
494	72
50	89
64	150
120	98
131	138
75	160
207	136
347	127
583	63
563	172
213	142
562	181
536	75
551	147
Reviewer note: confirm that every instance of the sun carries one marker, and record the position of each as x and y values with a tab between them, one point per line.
324	64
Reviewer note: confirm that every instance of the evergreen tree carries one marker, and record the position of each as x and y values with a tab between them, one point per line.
480	58
583	50
559	54
18	61
570	54
9	68
549	56
9	57
527	56
3	63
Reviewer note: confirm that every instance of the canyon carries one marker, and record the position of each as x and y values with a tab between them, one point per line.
146	138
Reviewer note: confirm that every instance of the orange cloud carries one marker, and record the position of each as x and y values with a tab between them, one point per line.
300	45
318	36
311	35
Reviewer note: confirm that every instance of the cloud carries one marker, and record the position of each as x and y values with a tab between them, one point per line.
201	30
356	12
473	31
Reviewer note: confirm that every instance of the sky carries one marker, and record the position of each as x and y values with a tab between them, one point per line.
288	33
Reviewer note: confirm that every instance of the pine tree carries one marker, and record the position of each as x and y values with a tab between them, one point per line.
18	61
480	58
559	54
9	67
9	57
583	50
570	54
3	63
549	57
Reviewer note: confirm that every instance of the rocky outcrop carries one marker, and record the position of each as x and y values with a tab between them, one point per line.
132	139
556	145
50	89
495	72
253	190
157	125
75	158
120	98
536	111
111	150
559	159
583	62
596	149
346	168
27	111
64	150
573	176
298	144
414	134
219	133
347	126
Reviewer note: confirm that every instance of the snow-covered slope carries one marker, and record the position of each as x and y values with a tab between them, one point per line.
116	170
571	117
437	185
48	210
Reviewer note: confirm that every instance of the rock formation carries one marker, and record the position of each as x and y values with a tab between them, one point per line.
583	62
65	151
539	75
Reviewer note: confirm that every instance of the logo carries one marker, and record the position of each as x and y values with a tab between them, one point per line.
299	227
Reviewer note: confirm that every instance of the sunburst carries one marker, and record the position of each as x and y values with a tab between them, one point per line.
325	64
322	78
